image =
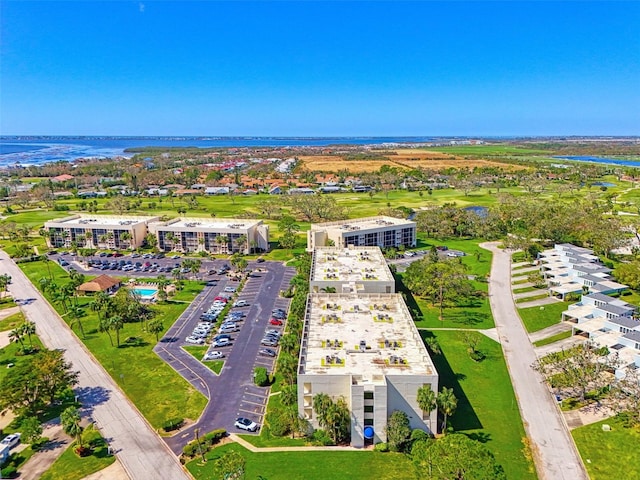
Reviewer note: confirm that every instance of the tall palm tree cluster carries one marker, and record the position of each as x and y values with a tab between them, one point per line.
25	329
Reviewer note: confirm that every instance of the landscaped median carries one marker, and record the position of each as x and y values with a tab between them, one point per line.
154	387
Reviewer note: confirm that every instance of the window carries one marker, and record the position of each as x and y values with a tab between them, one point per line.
368	422
368	409
368	395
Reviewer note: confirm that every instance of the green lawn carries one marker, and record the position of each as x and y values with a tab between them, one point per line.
532	298
537	318
11	322
349	465
11	353
70	466
487	408
6	302
552	339
524	290
609	455
153	386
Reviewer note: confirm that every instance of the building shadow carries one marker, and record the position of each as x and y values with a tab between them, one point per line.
465	417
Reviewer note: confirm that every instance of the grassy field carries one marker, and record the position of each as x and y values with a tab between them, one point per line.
537	318
152	385
11	322
552	339
609	455
11	354
70	466
532	298
349	465
6	302
487	408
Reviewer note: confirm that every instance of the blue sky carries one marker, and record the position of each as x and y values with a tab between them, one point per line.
319	68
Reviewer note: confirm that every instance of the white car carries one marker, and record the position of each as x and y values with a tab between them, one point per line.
241	303
213	355
230	289
246	424
11	440
221	342
196	340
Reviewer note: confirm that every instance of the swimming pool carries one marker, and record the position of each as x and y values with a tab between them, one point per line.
146	293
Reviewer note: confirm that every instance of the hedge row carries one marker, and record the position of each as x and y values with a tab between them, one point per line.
207	441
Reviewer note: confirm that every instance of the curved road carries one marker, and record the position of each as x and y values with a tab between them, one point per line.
140	450
554	452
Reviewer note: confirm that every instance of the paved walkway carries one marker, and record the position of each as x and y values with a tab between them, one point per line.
254	449
4	339
524	271
538	303
554	452
44	458
7	312
112	472
549	331
143	454
531	293
523	285
588	415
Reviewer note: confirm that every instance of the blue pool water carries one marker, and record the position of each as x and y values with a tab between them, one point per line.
145	292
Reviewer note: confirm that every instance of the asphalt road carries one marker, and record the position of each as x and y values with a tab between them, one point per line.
142	453
232	393
554	451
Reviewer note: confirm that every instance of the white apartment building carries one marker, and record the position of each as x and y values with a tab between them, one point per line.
366	349
223	235
350	270
381	231
98	231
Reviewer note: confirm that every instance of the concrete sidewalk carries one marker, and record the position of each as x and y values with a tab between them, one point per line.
43	459
549	331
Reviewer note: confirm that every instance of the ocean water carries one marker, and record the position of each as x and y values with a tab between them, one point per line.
29	151
608	161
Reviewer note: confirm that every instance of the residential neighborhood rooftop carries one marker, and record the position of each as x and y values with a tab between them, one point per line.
102	220
362	223
195	223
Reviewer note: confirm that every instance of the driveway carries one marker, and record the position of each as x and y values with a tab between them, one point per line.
142	453
232	393
554	452
49	453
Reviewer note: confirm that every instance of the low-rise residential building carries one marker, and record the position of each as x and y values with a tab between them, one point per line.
574	270
224	235
366	349
350	270
98	231
380	231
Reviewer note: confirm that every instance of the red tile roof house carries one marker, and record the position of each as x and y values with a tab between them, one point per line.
63	178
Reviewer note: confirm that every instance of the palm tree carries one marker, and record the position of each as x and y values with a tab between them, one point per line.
125	237
222	241
241	243
447	403
156	327
102	301
162	283
70	420
16	335
116	323
432	344
427	400
28	329
105	327
76	313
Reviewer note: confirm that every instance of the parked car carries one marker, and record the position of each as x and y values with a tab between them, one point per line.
246	424
221	342
213	355
260	260
275	321
241	303
267	352
230	289
269	342
11	440
196	340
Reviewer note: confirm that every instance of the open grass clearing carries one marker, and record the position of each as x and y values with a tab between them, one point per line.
70	466
524	290
6	302
609	455
487	407
552	339
12	354
520	281
199	351
11	322
537	318
153	386
532	298
347	465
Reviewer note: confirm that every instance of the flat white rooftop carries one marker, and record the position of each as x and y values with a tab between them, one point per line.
196	223
365	335
351	264
363	223
98	221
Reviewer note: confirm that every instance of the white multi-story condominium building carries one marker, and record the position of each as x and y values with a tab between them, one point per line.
366	349
98	231
223	235
383	232
350	270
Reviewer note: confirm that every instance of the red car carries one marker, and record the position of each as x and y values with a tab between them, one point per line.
275	321
221	299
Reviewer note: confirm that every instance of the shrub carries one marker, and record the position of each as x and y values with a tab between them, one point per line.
9	472
278	424
190	449
381	447
260	376
172	424
215	436
418	435
322	438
